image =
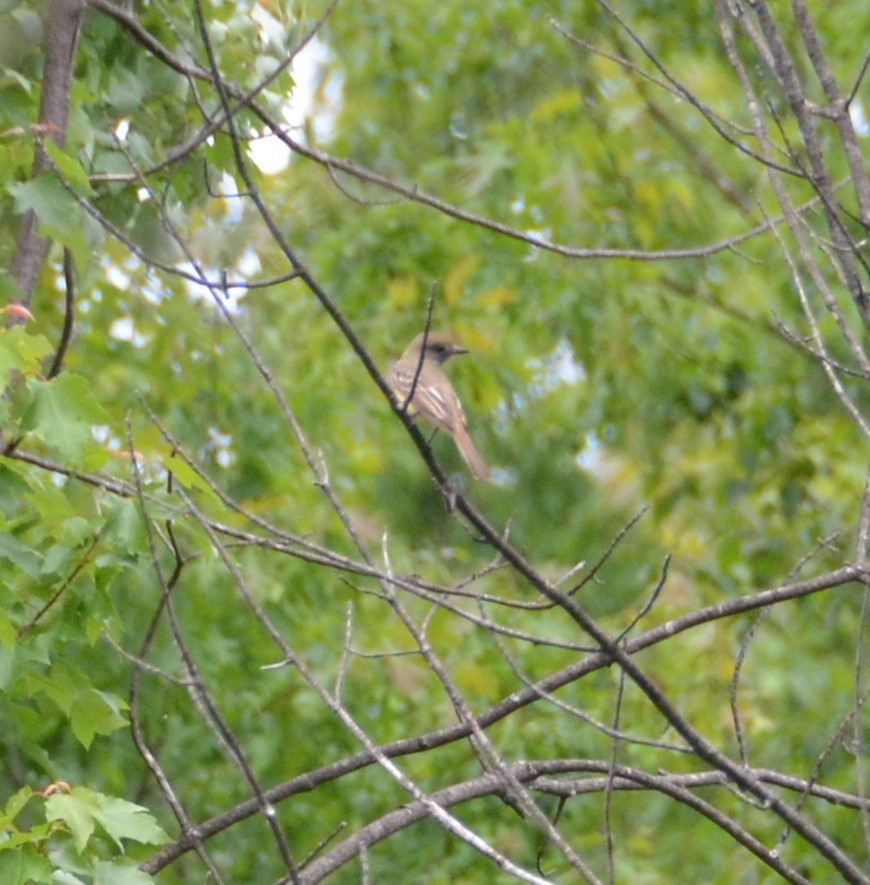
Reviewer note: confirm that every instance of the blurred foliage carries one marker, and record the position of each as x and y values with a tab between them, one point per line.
595	388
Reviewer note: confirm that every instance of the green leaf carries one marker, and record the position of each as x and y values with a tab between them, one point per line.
90	711
9	288
33	836
7	662
19	554
49	199
16	802
21	352
58	684
188	477
30	22
61	414
65	877
18	477
123	531
78	810
24	867
120	872
126	91
82	809
8	635
70	168
57	559
96	712
124	820
60	216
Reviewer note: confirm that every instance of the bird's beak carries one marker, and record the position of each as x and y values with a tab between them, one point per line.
456	350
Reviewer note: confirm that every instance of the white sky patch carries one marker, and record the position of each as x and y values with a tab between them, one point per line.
271	30
317	96
196	291
221	444
124	329
153	289
269	154
549	372
859	118
312	108
590	457
230	192
117	277
249	263
247	266
314	104
556	368
101	433
565	366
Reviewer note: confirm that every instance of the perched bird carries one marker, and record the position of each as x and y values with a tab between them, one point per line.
434	398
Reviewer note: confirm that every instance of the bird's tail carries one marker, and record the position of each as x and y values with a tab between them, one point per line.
468	451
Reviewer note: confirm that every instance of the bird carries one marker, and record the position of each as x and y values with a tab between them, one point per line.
432	397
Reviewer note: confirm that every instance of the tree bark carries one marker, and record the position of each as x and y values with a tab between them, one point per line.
65	18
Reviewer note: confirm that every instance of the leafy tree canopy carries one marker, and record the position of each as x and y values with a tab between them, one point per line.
236	577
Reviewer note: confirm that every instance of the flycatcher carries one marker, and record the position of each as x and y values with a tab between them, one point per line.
434	398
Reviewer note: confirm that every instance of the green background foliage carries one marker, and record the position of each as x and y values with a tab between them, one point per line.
598	386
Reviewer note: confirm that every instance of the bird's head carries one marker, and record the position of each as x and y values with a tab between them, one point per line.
438	347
